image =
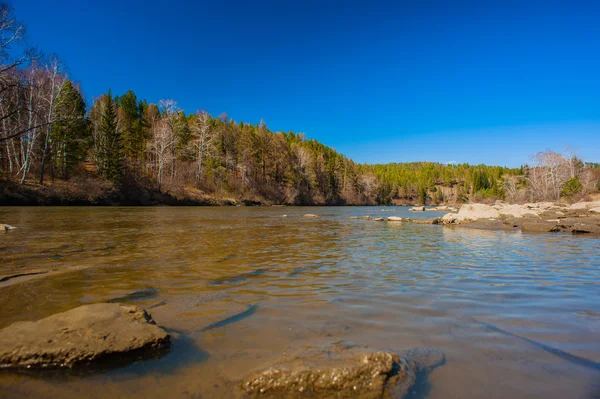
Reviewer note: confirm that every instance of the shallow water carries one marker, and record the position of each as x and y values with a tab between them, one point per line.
517	315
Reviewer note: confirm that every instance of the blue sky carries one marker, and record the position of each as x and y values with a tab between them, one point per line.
466	81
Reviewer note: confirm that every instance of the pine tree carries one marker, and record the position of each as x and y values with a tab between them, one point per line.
112	153
70	135
131	114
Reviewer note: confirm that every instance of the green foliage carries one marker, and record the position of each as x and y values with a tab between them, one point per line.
422	194
571	187
250	160
71	137
111	152
133	125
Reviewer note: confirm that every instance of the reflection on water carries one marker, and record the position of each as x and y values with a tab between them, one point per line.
516	315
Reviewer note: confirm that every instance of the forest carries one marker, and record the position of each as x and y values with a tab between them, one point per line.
54	143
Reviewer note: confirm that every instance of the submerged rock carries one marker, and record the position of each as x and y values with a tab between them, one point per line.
310	215
426	221
343	372
86	336
6	227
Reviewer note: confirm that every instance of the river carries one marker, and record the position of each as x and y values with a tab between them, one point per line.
517	316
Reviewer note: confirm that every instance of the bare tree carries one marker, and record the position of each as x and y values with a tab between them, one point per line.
202	140
160	146
170	112
55	72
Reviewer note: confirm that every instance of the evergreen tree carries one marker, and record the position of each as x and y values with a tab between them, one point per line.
131	118
111	151
71	134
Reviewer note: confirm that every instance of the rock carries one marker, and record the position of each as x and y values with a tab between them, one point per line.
585	205
417	209
90	335
541	205
343	372
310	215
6	227
394	219
366	217
441	208
517	211
353	217
470	213
539	226
426	221
595	210
585	228
378	219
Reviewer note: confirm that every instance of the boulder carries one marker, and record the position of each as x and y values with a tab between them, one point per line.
584	205
310	215
6	227
541	205
595	210
378	219
539	226
394	219
585	228
417	209
470	213
87	336
343	373
426	221
517	211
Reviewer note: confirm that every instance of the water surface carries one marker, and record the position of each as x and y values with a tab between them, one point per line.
517	315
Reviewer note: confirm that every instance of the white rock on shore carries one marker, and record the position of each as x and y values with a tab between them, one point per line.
517	211
473	212
586	205
470	213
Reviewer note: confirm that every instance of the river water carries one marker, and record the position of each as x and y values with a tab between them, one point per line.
517	316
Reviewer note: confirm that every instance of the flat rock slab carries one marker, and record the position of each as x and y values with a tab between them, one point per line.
82	337
343	372
539	226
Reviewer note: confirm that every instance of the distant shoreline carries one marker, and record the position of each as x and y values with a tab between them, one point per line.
73	194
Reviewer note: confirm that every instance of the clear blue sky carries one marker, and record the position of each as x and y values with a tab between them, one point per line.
379	81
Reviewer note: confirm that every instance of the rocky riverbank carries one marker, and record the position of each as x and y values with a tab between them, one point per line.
544	217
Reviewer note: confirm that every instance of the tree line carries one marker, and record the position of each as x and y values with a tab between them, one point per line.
48	132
